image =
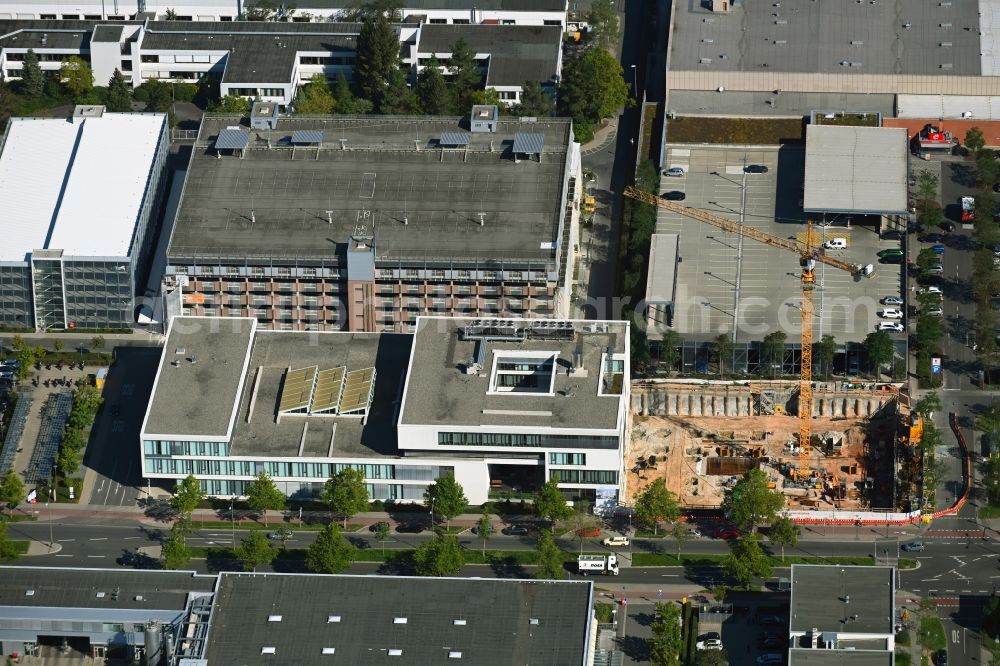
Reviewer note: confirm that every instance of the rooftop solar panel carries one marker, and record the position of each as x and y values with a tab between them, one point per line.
307	136
297	392
454	139
529	144
329	388
357	391
232	138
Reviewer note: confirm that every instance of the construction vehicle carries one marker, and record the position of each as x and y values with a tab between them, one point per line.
597	564
589	204
809	254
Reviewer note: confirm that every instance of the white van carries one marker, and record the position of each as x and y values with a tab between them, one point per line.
835	244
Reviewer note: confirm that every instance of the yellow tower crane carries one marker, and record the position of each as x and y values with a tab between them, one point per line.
809	254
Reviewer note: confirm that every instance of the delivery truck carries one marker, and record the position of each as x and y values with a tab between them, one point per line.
597	564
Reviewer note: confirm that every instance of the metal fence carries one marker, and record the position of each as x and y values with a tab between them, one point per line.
55	413
14	432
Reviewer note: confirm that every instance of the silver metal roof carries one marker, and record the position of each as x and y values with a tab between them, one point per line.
858	170
454	139
307	136
232	138
529	144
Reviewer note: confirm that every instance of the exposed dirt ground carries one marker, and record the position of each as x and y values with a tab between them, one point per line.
698	456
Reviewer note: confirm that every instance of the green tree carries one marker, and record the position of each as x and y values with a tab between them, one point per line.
927	258
119	93
535	101
991	480
346	102
77	76
398	98
485	528
441	556
382	533
11	489
611	80
929	331
927	185
681	534
264	495
446	497
57	345
170	15
315	97
593	87
262	10
666	644
722	351
929	214
772	352
549	557
432	91
549	502
330	553
231	104
376	59
751	503
783	533
175	553
656	503
746	561
68	461
929	403
187	495
880	348
823	353
712	658
987	171
346	493
603	21
97	342
989	420
670	348
466	77
8	550
582	523
974	139
32	76
255	551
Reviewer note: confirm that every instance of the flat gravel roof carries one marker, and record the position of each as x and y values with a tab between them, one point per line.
824	595
388	173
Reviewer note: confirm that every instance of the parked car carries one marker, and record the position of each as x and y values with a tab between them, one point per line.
941	658
674	195
891	252
929	290
755	168
773	642
891	300
379	525
674	172
916	546
891	259
891	313
616	541
890	326
835	244
489	529
892	234
410	528
11	363
710	641
930	238
934	312
728	533
516	530
770	659
937	249
947	225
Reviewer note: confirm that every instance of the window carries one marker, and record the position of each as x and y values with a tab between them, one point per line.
504	440
587	476
126	66
257	271
523	372
150	58
50	17
567	459
284	271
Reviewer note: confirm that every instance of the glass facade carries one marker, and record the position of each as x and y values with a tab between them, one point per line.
49	303
567	459
154	447
521	439
590	476
15	297
98	294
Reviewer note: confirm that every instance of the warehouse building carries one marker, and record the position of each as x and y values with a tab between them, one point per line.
363	224
75	231
242	618
842	615
231	400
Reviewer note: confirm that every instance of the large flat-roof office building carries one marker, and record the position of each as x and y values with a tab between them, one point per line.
498	403
363	223
80	196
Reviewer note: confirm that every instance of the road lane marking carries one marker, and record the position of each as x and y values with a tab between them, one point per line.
95	555
65	540
127	538
99	539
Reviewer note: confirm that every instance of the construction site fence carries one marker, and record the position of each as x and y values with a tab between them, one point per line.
871	518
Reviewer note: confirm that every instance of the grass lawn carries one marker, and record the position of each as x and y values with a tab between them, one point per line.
990	511
932	636
692	129
20	547
17	518
853	119
696	559
903	658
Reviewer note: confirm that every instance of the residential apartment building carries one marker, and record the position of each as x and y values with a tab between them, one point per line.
502	12
268	60
79	196
501	404
363	224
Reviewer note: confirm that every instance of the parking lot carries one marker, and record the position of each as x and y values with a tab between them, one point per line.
720	273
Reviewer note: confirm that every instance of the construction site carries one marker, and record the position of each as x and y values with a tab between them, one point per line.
861	454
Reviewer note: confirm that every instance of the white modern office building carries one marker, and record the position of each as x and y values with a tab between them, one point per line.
504	405
79	195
